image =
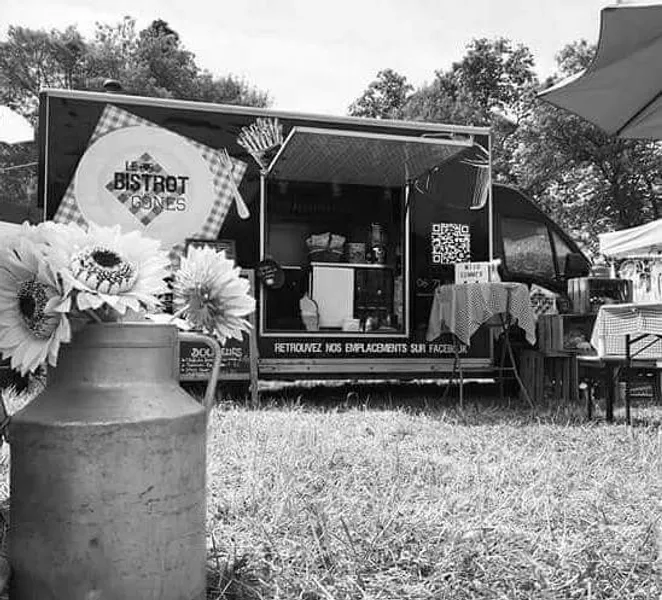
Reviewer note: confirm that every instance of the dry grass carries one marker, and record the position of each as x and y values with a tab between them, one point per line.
424	504
372	497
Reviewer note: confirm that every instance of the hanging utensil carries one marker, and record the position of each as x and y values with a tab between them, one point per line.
226	161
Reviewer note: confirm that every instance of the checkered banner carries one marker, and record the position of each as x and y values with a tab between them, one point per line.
164	189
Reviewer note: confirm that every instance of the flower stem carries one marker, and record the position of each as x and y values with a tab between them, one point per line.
179	313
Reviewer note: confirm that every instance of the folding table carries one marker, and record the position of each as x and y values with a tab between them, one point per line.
622	334
462	309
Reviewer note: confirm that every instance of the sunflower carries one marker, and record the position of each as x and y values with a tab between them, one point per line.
36	234
210	293
110	269
33	307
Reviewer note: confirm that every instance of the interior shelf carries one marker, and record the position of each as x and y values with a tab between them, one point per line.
347	265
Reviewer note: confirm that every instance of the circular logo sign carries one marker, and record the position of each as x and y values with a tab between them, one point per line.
146	178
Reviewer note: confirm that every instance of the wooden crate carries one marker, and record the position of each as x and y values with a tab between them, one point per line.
554	377
532	372
565	334
562	375
587	294
549	334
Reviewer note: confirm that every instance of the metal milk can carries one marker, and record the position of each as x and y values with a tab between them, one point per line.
108	474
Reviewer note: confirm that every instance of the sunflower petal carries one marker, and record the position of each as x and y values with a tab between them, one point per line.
28	340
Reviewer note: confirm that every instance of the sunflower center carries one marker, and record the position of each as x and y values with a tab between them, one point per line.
106	258
104	270
32	299
27	306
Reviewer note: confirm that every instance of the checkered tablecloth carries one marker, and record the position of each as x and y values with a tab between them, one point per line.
113	119
614	321
463	308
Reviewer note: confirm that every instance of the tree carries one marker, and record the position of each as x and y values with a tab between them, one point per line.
165	62
494	79
18	181
32	59
589	181
113	54
154	62
229	90
586	180
151	62
484	88
492	85
385	97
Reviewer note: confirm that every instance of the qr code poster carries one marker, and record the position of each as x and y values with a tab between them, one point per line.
450	243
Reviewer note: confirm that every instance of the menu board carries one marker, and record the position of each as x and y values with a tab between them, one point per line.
228	246
238	358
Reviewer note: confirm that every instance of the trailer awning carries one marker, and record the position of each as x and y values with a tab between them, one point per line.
350	157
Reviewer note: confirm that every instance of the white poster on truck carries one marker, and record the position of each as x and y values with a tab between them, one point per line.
141	176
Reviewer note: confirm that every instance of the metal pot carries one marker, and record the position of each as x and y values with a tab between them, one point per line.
108	474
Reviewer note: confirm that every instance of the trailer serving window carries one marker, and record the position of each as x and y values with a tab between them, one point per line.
334	215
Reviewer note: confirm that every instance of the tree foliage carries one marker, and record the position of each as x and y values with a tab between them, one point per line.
586	180
154	62
150	62
589	181
385	97
491	86
493	81
33	59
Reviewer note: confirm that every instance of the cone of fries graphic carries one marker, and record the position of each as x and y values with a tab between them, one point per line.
262	139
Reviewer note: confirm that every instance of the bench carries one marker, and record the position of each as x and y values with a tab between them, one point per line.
565	372
611	371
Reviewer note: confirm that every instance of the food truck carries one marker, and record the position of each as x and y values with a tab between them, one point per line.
346	226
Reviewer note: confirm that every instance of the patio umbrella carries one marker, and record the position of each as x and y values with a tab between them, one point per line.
621	90
14	128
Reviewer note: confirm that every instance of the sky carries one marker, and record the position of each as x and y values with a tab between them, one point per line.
317	57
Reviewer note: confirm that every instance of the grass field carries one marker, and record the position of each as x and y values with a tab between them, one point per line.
409	500
376	495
